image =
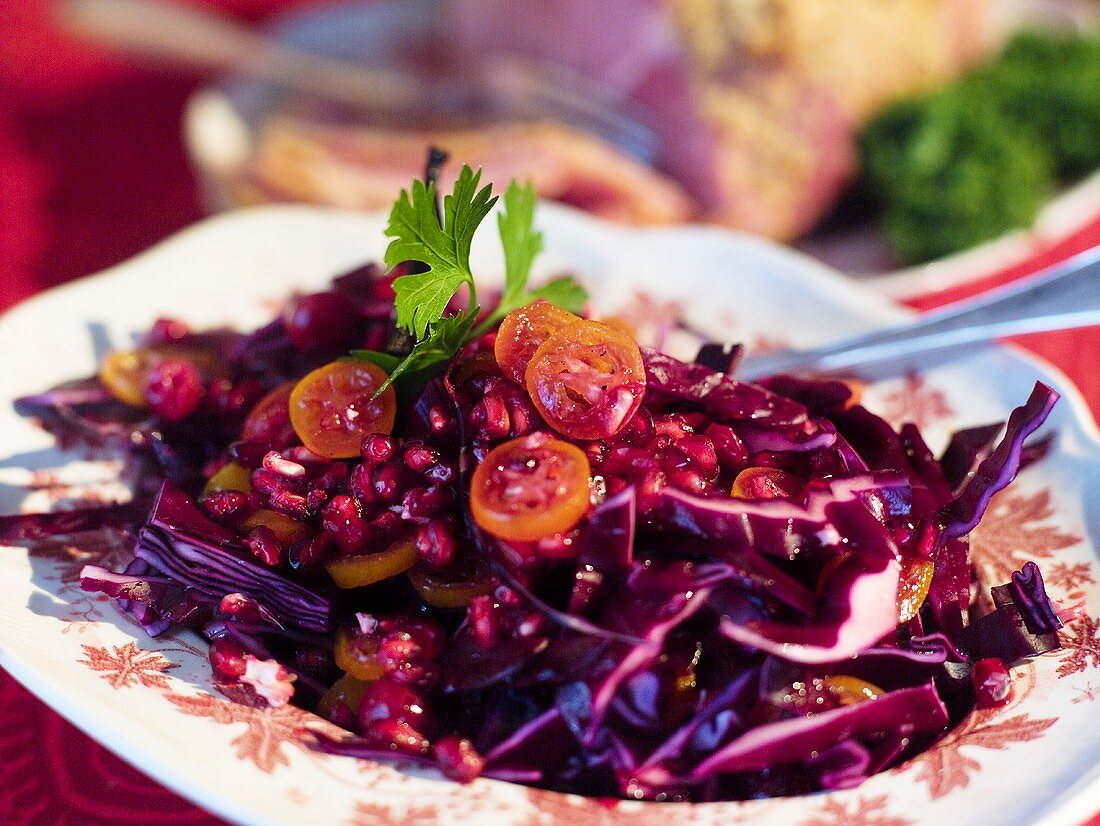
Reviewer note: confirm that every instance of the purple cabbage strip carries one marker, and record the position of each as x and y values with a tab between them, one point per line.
912	710
961	515
184	544
23	527
723	396
1022	625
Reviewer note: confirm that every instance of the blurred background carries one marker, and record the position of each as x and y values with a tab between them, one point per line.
878	135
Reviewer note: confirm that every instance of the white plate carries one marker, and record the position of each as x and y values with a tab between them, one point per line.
151	702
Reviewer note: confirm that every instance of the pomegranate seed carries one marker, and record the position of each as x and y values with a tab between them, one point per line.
458	759
483	622
435	543
265	545
701	453
291	504
401	658
728	447
344	520
315	499
497	424
672	426
361	482
376	448
523	416
427	633
249	454
398	737
227	658
439	420
386	526
312	552
387	483
530	625
387	700
225	504
424	503
167	331
558	546
442	473
507	597
243	608
688	481
418	458
321	321
174	389
275	463
304	456
992	683
596	453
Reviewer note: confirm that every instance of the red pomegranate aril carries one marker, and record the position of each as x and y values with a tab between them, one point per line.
167	331
312	552
558	546
596	452
291	504
506	597
225	504
483	622
439	420
387	483
497	424
227	658
688	481
273	462
672	426
263	542
615	484
386	526
343	519
436	544
361	482
398	737
249	454
387	700
992	683
424	503
320	321
458	759
442	473
427	633
523	417
174	389
701	452
315	499
377	448
729	450
418	457
401	656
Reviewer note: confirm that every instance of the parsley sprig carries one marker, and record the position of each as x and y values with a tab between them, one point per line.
443	247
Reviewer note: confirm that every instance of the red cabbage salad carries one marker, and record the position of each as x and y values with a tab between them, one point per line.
513	543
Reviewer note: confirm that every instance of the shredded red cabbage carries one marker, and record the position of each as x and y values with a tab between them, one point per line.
677	643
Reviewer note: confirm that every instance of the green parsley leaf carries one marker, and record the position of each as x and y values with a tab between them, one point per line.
521	241
444	248
564	292
417	235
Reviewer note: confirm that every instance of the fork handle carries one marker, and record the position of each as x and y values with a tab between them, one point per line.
1064	296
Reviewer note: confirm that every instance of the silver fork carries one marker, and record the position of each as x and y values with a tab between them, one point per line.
505	86
1062	297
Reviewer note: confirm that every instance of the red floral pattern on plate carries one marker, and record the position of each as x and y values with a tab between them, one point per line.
945	767
127	664
266	731
1081	644
862	811
915	401
1010	534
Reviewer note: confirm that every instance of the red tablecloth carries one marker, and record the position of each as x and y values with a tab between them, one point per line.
92	171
